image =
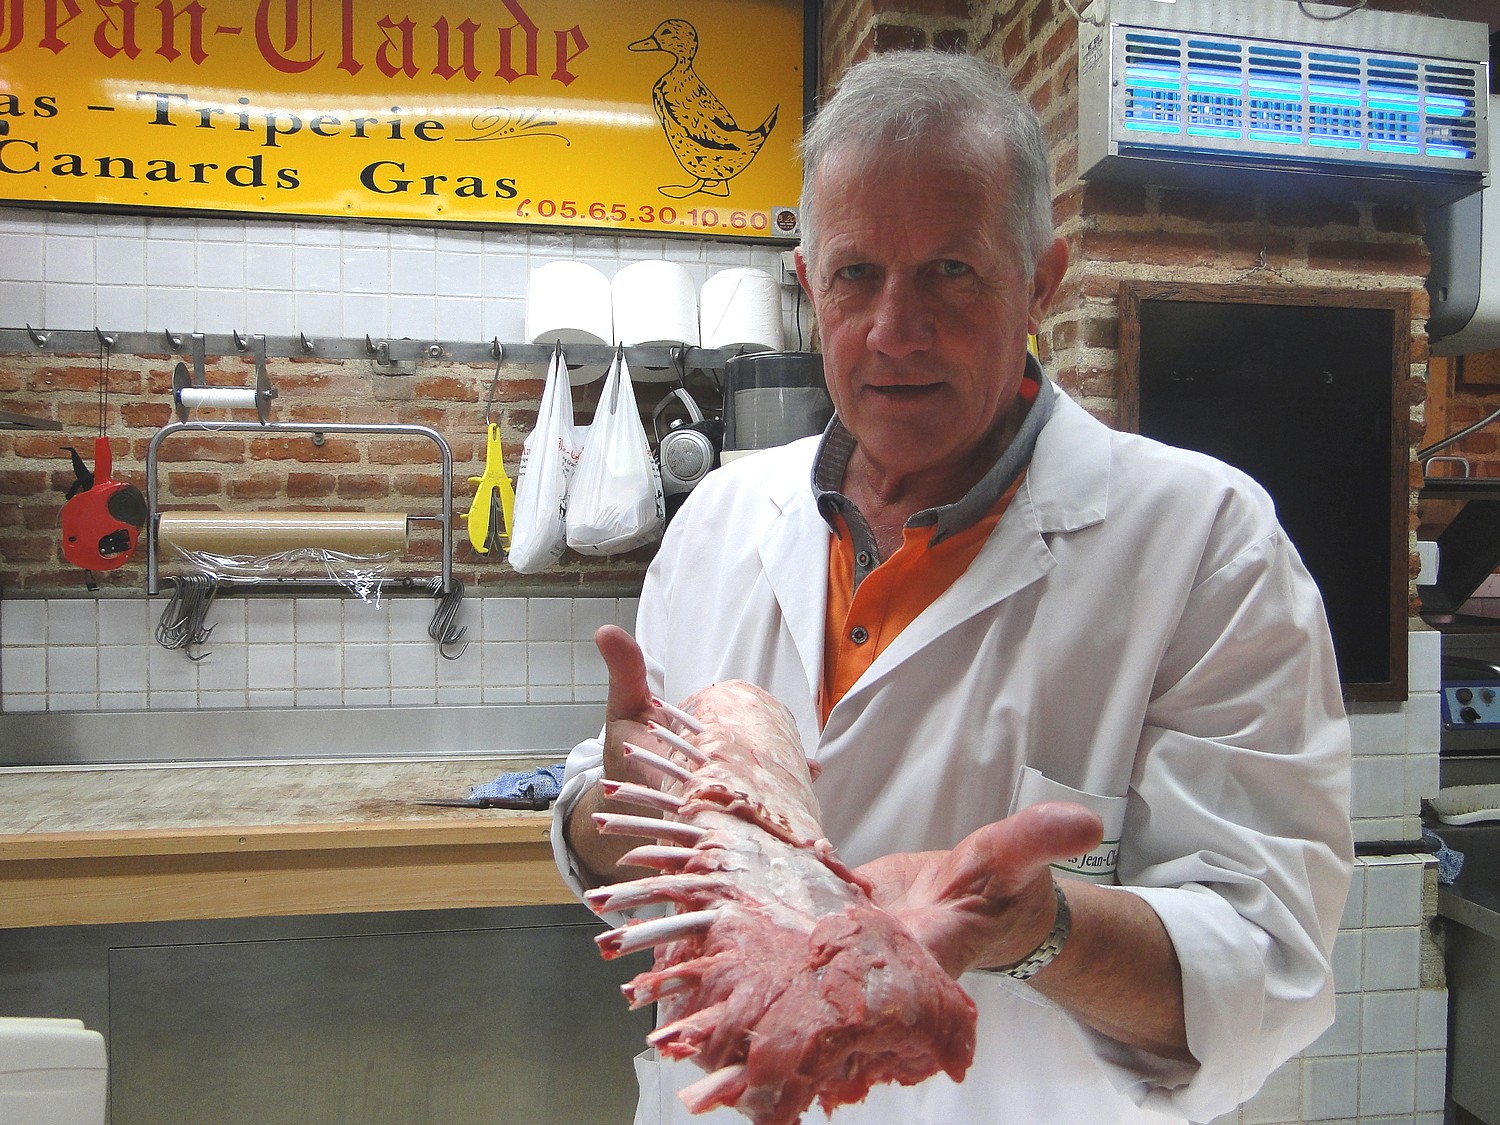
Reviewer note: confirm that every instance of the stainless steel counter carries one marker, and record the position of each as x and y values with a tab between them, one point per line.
67	738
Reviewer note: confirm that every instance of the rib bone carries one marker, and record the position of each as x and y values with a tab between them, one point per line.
657	931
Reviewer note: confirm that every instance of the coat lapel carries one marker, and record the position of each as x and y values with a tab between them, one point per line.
794	556
1066	489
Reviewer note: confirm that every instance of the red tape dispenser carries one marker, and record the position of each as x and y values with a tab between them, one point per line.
102	518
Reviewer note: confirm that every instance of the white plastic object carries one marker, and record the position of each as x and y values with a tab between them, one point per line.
52	1072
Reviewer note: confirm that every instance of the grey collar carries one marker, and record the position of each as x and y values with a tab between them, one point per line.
837	446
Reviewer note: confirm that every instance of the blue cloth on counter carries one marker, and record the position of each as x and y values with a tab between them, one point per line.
544	782
1449	862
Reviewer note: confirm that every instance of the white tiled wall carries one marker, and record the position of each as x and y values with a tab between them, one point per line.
85	654
1396	748
135	273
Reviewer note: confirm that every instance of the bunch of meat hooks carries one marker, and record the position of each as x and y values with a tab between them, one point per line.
776	974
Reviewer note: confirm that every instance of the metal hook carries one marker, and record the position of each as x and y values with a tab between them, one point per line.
489	400
678	352
37	338
239	341
105	342
174	342
443	617
308	347
497	349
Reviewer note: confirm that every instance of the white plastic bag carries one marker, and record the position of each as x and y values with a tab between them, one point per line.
548	459
615	501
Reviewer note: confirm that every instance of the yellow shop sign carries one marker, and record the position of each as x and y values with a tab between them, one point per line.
674	116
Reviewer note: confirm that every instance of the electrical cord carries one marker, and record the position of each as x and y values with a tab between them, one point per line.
1302	7
1077	16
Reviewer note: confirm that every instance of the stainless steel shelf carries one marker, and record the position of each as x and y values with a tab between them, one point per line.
89	341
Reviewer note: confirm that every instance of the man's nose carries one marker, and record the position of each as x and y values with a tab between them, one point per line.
900	322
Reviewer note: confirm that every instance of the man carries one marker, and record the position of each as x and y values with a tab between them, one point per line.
1015	643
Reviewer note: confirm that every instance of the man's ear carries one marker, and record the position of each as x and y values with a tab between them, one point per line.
1045	282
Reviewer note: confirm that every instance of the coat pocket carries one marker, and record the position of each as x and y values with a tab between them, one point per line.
1097	866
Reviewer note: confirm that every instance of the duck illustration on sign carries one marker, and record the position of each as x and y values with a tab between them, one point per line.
702	132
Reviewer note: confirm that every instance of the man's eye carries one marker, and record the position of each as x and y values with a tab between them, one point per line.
857	272
950	267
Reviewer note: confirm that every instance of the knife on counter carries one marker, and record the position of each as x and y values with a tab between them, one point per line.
529	804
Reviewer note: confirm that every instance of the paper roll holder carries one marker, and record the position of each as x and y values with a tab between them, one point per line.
444	581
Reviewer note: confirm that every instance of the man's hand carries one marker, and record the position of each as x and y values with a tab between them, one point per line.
627	712
989	901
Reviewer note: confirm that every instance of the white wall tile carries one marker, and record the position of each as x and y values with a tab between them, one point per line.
1393	892
1279	1100
1330	1088
1389	1021
72	621
24	302
1432	1019
22	255
1377	728
23	671
122	261
1392	959
549	619
1387	1084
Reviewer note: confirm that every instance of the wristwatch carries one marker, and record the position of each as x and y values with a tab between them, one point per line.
1042	956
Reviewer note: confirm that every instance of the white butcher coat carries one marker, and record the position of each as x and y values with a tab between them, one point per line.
1139	629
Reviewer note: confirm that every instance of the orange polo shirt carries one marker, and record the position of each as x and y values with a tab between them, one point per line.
864	617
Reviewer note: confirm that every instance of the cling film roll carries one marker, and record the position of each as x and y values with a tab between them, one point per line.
350	548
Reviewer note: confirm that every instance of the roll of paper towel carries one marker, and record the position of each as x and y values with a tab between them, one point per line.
741	307
570	302
656	305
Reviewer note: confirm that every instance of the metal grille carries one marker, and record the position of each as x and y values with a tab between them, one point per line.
1217	92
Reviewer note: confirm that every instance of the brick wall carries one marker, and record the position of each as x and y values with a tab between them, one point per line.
252	472
1117	232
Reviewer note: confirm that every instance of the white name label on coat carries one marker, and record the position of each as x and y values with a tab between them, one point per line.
1097	866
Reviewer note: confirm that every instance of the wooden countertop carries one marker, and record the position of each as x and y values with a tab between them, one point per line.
81	846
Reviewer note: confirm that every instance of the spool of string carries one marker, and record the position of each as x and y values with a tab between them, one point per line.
218	398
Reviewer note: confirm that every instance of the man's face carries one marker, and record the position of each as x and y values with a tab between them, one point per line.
923	307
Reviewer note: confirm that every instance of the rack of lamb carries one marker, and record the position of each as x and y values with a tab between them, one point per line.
775	973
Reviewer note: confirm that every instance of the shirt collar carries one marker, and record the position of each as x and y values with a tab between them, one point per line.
838	444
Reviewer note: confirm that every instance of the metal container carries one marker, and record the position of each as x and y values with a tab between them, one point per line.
771	398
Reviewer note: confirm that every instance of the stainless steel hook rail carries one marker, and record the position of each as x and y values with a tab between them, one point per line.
153	577
63	341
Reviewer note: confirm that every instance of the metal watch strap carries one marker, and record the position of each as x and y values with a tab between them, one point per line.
1040	957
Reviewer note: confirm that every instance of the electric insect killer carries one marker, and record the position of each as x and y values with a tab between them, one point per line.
1276	96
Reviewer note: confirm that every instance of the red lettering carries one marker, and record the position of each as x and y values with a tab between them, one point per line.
444	67
348	63
528	34
296	27
405	50
572	37
12	24
52	25
127	45
169	17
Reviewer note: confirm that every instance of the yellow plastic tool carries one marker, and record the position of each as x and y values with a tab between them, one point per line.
494	497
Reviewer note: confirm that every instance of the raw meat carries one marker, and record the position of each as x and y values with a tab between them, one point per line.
777	974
